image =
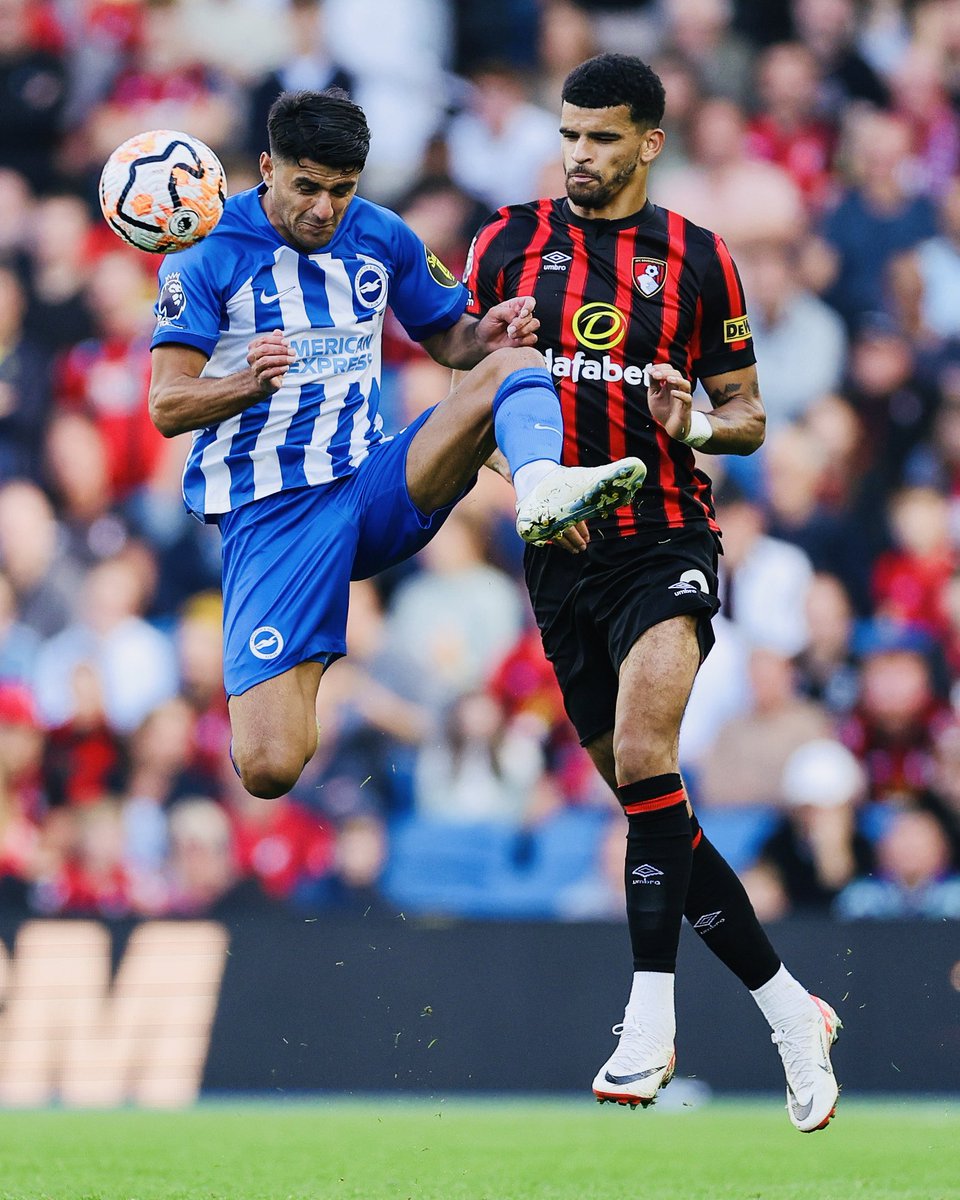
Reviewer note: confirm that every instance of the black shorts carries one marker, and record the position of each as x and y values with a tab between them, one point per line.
592	607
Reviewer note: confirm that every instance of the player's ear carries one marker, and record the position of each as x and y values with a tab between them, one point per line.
651	144
266	168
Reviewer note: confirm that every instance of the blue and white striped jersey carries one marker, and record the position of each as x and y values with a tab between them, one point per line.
243	279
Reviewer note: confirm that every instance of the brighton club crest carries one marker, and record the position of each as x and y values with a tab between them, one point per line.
649	274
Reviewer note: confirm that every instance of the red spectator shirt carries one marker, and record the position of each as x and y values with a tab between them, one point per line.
291	846
611	297
108	381
805	154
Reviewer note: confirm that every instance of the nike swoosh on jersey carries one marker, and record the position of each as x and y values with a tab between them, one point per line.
622	1079
270	299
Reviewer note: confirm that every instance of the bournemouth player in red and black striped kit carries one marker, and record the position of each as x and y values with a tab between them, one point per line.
635	305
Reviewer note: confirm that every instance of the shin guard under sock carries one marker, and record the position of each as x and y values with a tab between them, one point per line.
719	909
527	420
657	869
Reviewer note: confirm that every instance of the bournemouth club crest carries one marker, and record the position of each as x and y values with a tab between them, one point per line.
649	274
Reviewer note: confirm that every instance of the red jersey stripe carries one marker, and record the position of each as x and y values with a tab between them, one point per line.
696	342
531	258
616	392
479	248
735	296
572	301
700	485
676	247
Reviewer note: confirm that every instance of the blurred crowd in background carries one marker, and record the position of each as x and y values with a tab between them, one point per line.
822	745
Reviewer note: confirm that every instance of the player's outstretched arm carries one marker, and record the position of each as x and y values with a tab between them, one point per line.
735	426
505	326
181	401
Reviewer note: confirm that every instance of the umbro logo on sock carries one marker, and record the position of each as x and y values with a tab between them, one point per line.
709	921
646	874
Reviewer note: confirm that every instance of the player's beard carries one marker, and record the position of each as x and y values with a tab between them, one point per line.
593	196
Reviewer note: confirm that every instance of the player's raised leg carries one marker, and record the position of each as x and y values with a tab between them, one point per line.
508	401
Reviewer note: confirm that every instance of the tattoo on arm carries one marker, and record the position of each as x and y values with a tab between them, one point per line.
721	396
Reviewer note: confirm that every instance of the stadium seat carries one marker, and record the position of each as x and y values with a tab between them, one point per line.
738	833
490	870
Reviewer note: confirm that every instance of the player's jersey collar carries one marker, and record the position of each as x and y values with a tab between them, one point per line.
645	214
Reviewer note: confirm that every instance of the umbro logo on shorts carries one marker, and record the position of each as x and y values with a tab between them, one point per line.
689	583
266	642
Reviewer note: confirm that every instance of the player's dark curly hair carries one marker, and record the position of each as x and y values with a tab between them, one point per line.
609	80
326	127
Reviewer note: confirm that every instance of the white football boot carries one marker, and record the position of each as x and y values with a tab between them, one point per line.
639	1067
571	494
812	1088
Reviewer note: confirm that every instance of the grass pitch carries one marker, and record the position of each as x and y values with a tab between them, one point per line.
480	1150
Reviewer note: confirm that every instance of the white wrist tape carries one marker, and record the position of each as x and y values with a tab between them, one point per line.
700	430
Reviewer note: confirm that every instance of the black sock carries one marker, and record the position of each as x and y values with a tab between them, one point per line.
720	911
657	870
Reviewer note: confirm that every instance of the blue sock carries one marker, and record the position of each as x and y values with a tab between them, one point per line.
526	418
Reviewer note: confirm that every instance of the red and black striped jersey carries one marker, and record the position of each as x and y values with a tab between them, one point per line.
611	297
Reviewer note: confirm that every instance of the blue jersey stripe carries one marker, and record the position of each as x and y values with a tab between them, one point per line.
241	464
314	286
340	442
298	437
193	480
373	402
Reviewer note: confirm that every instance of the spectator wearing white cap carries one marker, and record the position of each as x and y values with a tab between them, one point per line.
816	849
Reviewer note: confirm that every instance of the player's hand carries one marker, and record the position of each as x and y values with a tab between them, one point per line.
509	324
669	399
270	356
574	539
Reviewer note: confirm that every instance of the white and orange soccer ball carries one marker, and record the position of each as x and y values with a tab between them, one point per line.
162	191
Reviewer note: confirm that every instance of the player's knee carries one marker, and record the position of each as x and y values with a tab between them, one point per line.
638	757
268	773
502	363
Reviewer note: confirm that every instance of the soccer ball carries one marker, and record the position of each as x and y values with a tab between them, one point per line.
162	191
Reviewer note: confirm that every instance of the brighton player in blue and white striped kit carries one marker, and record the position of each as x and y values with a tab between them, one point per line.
267	347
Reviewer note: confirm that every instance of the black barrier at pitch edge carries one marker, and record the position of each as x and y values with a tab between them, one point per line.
410	1005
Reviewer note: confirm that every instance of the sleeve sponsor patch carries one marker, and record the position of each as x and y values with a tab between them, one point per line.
438	272
172	300
736	329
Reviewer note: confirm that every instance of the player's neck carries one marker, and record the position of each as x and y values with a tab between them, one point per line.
626	203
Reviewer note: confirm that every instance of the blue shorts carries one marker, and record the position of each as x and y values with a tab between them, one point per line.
288	560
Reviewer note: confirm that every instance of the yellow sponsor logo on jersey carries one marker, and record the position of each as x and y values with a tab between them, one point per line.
599	326
442	274
736	329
